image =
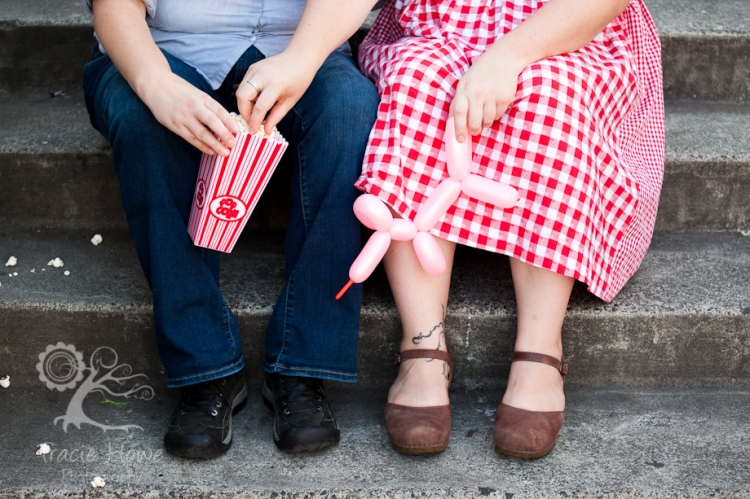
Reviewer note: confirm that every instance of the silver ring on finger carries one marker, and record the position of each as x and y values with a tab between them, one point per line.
251	82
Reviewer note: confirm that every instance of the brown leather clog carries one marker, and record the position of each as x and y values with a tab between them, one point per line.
420	430
528	434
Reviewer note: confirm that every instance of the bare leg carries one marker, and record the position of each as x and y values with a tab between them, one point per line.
421	301
542	297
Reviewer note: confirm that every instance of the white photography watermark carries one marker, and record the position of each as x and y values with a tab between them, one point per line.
62	367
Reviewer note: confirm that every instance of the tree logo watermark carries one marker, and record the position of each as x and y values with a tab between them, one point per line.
62	367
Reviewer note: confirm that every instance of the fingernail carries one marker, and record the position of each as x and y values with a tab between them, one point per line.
232	143
461	138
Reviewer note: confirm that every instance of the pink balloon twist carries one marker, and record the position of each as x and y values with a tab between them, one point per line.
375	215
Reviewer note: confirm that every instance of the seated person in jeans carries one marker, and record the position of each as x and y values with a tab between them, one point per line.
164	76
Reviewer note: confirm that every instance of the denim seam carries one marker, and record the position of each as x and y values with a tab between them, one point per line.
276	365
299	162
185	378
229	327
307	231
286	316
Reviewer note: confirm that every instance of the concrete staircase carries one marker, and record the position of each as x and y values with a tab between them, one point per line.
659	390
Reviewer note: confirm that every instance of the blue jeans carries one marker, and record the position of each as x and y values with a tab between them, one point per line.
309	334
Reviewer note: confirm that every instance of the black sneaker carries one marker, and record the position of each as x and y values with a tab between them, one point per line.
303	420
201	426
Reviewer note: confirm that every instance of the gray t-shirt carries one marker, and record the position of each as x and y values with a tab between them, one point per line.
211	35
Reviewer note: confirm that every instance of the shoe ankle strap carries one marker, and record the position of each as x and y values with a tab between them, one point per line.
558	364
426	354
422	354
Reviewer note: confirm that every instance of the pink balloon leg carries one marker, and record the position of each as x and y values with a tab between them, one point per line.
428	253
457	155
373	213
370	256
368	259
437	204
489	191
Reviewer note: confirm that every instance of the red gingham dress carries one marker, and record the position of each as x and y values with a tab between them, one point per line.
583	141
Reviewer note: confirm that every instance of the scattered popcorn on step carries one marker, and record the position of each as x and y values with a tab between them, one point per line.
57	263
98	482
15	274
66	273
12	261
43	449
5	382
97	239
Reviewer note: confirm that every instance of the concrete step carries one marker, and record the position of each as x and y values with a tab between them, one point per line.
706	177
61	173
705	47
614	444
681	321
45	43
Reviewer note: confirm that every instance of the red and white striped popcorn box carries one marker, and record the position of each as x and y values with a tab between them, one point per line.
228	189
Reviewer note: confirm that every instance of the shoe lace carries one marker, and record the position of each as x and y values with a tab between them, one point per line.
202	397
301	395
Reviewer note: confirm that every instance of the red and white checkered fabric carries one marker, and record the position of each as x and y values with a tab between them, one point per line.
583	142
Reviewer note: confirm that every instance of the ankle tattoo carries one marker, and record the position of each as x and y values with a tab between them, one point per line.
440	328
421	336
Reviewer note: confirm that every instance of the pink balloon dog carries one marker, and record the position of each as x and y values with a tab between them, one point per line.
375	215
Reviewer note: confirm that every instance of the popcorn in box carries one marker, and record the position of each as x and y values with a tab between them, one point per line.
228	188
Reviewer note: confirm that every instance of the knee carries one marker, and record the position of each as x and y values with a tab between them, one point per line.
352	107
129	120
342	96
540	85
427	72
146	155
362	105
